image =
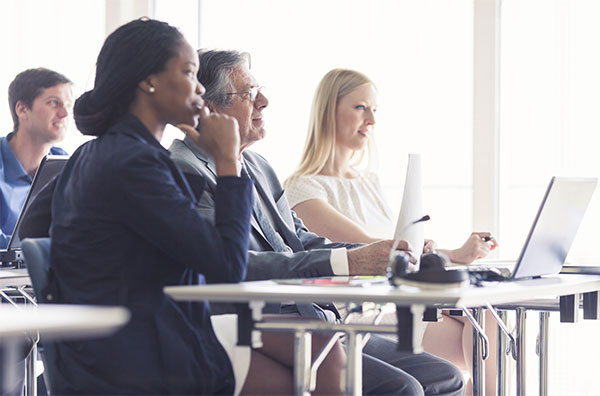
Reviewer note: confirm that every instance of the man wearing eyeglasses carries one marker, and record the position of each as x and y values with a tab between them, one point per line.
280	244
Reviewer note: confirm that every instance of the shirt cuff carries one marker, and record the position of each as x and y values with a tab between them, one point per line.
339	262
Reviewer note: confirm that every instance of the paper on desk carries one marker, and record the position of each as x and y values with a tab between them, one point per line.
411	209
336	281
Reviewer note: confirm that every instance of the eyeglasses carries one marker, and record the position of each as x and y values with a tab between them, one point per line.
251	93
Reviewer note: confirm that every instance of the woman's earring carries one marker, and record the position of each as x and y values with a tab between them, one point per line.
151	89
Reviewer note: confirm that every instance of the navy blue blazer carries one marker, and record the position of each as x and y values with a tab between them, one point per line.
123	226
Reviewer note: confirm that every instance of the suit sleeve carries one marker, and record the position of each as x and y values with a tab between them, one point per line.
152	203
263	263
313	261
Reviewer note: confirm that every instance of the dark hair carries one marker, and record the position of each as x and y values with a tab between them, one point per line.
129	55
28	85
214	72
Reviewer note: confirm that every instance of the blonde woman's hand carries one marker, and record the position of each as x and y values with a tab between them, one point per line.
477	246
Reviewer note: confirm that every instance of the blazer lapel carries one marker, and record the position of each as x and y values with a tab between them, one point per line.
210	165
266	194
203	157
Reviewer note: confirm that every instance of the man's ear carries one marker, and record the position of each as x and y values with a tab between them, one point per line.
21	109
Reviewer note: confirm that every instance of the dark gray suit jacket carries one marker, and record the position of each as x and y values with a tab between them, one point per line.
310	255
310	252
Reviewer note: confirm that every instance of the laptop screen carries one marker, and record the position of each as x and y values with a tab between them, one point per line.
555	226
50	166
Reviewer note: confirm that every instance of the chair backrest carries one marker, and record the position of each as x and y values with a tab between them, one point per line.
37	258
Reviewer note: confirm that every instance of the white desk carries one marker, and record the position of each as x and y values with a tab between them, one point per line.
415	298
468	296
54	322
14	277
61	321
17	281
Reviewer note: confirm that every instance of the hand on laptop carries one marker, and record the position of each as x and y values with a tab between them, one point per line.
477	246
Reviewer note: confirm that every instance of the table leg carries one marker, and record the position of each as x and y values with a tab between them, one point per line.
502	364
318	360
432	314
591	306
302	362
521	334
409	326
478	375
244	330
543	352
30	377
354	368
11	348
569	308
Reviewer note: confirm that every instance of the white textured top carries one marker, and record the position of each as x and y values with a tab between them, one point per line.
360	199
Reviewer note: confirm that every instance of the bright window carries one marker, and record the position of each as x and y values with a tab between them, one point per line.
548	112
62	35
549	126
420	55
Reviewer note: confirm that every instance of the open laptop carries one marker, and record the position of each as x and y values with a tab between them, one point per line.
50	166
552	233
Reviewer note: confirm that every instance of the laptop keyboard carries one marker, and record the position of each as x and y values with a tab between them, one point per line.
477	276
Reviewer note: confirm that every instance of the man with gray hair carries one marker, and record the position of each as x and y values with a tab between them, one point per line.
282	247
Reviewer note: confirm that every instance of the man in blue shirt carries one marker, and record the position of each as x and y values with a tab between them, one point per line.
40	103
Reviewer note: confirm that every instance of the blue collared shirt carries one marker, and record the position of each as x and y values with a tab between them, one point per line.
14	185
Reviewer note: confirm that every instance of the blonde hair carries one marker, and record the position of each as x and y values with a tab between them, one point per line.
319	148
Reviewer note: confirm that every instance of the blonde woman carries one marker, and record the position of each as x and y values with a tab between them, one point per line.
336	200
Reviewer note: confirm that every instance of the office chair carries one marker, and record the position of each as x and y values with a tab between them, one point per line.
37	258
